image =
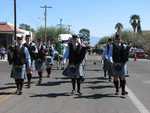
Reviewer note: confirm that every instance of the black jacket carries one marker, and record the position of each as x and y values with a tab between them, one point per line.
77	55
120	53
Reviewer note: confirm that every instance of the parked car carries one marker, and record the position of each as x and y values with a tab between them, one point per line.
140	53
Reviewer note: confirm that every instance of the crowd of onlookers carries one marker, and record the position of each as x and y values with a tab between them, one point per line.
2	53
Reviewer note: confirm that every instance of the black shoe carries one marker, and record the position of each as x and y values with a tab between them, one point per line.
19	92
79	93
73	92
124	93
117	93
16	91
109	79
127	75
39	82
82	79
29	86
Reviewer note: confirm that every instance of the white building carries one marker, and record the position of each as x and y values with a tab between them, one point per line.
7	34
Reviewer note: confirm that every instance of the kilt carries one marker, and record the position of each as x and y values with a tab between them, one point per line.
118	69
49	61
108	66
74	71
18	72
58	57
39	65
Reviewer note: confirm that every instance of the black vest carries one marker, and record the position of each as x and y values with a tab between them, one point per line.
19	56
120	53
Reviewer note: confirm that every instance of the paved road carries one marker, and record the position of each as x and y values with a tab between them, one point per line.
53	96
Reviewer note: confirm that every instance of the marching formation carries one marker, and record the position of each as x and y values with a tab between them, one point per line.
41	56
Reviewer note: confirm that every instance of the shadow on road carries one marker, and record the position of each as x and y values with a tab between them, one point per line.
98	78
37	77
94	70
52	95
7	93
100	87
25	83
54	83
94	82
96	96
7	87
65	78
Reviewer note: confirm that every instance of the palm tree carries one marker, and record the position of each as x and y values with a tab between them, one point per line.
119	27
135	22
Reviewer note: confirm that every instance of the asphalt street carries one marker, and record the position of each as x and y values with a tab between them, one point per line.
53	95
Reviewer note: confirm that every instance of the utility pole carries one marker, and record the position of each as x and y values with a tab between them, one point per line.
60	23
60	26
15	22
45	15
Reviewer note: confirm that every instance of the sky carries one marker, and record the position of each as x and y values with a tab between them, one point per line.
99	16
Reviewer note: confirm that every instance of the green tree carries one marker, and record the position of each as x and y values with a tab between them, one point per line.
126	36
85	33
119	27
26	27
135	22
104	40
52	33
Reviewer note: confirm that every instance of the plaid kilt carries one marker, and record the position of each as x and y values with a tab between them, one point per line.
39	65
74	71
18	72
118	69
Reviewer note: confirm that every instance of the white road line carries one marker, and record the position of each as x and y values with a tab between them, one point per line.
137	102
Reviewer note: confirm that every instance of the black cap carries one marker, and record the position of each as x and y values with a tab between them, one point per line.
109	39
74	36
28	36
19	37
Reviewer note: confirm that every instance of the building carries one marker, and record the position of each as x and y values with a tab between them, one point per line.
7	34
